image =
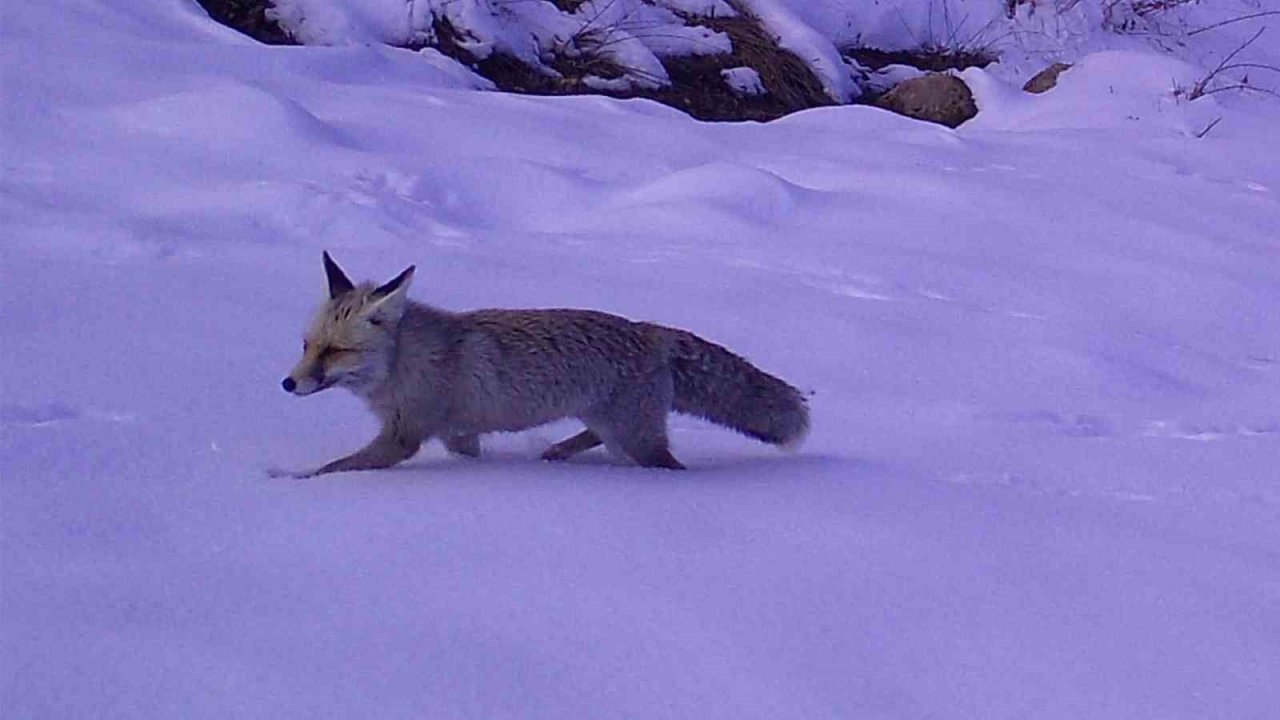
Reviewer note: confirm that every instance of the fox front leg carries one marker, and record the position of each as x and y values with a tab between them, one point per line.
388	448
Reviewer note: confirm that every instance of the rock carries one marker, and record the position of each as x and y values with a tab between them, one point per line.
935	97
1046	79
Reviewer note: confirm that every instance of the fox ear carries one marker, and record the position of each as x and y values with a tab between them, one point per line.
339	283
387	301
399	283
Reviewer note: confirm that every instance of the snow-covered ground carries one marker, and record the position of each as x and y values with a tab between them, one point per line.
1044	349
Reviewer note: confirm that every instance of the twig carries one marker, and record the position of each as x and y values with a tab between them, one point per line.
1207	128
1200	87
1242	18
1243	86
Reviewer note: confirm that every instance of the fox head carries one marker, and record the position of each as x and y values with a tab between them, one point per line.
352	338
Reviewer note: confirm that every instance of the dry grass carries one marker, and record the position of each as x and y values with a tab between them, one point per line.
697	85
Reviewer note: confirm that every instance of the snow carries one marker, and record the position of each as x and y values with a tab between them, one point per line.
809	45
336	22
1043	349
1117	87
743	80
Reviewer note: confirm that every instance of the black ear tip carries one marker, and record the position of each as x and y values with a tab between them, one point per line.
339	283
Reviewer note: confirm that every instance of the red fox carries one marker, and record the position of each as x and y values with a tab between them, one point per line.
427	372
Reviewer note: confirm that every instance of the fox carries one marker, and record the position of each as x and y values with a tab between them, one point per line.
426	372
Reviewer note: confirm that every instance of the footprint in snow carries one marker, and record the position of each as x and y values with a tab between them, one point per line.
1176	430
1070	424
54	413
36	415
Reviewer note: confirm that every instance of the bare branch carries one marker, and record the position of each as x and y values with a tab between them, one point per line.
1207	128
1242	18
1201	86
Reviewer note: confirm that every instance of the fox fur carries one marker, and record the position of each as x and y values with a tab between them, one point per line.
427	372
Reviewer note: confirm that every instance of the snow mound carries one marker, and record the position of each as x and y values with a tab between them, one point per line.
1109	89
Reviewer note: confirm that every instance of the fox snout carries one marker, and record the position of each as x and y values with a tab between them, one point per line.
308	377
305	387
304	384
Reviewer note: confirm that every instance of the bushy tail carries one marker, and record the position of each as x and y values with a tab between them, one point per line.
713	383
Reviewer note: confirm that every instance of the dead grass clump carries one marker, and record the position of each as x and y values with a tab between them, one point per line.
583	57
568	6
505	71
929	59
698	86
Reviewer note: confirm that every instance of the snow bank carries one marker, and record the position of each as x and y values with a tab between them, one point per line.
1111	89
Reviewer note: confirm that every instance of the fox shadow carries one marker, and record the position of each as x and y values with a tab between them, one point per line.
600	463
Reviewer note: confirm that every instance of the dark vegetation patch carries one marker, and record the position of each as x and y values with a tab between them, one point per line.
697	84
581	58
568	6
250	17
699	88
927	59
505	71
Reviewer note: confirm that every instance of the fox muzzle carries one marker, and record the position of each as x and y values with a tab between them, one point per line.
306	384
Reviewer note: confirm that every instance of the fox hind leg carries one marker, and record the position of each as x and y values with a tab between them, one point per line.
566	449
647	444
466	445
634	422
656	458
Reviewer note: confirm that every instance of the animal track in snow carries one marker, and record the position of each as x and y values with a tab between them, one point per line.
36	415
1069	424
1177	430
869	287
1257	362
833	281
54	413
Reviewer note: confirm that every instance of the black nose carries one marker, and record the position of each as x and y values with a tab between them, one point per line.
289	384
